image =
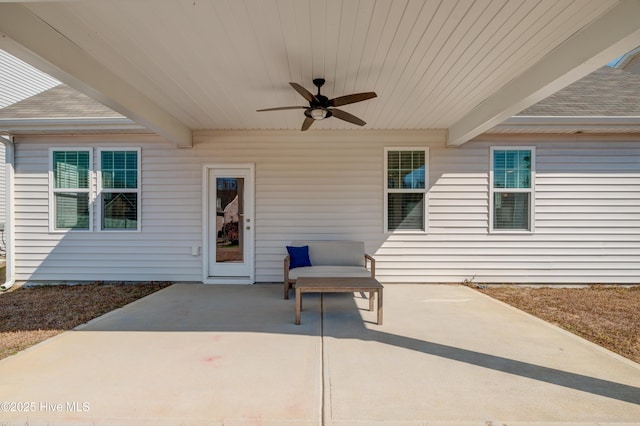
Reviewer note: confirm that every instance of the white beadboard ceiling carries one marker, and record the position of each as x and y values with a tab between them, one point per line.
210	64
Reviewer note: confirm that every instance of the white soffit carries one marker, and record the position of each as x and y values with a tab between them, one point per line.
177	65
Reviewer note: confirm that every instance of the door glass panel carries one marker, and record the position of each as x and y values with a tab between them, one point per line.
229	219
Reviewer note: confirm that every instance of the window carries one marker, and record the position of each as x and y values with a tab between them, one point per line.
405	189
512	174
72	195
119	189
70	189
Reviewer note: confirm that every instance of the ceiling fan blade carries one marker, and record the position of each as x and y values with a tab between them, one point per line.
308	121
350	99
304	92
343	115
281	108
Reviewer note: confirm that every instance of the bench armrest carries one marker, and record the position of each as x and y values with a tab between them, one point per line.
373	264
287	262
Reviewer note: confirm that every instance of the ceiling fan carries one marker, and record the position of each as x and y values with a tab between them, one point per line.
321	107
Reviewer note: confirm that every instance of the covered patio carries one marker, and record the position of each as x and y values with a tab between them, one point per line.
197	354
192	74
188	78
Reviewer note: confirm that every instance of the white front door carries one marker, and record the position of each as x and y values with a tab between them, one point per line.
230	226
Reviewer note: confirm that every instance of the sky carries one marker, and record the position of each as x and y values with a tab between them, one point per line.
614	62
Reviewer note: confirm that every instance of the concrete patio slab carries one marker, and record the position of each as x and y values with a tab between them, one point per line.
190	354
452	356
212	355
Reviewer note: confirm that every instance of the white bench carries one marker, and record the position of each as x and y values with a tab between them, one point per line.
334	259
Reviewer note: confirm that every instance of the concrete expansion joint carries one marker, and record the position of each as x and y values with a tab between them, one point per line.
323	385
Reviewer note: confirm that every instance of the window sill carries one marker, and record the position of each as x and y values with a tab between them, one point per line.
510	232
406	232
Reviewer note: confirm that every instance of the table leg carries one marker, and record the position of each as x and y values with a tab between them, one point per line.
379	306
298	305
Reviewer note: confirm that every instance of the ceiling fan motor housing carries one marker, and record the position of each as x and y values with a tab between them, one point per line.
319	101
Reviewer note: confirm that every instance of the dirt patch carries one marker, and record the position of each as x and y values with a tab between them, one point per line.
31	315
607	316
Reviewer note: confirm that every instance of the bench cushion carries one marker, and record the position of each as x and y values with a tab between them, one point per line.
334	253
329	271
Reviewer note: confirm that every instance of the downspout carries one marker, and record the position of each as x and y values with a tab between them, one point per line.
7	141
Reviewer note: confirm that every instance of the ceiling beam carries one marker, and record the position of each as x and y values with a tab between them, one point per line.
612	35
31	39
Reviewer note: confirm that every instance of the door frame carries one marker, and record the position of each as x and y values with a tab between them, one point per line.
249	212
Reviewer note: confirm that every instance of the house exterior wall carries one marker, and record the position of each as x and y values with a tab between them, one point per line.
160	251
3	182
329	185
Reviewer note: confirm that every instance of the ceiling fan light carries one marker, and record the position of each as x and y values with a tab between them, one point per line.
318	113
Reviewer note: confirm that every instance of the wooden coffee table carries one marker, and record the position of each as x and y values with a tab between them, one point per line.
338	285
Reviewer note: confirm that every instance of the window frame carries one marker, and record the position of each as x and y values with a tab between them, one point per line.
100	190
531	190
423	191
53	190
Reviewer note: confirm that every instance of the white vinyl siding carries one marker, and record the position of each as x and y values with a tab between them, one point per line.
3	183
328	185
161	251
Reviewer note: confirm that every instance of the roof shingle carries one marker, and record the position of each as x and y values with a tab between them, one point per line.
58	102
605	92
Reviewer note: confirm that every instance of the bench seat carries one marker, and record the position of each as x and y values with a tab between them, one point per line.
330	259
329	271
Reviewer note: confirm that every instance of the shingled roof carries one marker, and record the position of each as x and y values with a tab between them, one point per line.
630	62
608	92
58	102
62	110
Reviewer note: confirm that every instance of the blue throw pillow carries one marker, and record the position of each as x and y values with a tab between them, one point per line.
299	256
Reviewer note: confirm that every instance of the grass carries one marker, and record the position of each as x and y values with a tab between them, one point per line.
605	315
31	315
